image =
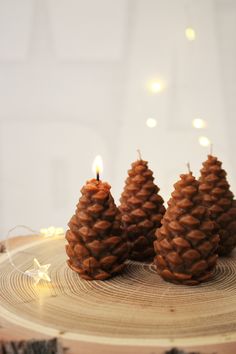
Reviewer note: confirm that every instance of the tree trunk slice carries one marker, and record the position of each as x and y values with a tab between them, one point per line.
136	309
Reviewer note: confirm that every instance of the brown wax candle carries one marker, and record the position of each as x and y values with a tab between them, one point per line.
142	210
186	245
96	247
217	197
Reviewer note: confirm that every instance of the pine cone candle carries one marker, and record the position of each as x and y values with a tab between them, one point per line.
142	210
96	247
218	198
186	244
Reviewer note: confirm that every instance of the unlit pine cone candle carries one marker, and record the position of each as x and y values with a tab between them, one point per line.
218	198
142	209
187	243
96	247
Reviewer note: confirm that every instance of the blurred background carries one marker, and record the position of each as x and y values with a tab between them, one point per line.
80	78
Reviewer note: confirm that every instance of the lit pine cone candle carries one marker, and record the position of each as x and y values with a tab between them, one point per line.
142	210
186	244
96	247
219	200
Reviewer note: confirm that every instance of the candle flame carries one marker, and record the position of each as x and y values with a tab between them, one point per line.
97	165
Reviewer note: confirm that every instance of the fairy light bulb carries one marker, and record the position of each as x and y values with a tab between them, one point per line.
39	272
52	231
190	33
199	123
151	122
155	86
204	141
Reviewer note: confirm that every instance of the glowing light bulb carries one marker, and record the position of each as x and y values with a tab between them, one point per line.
59	231
151	122
155	86
204	141
190	33
199	123
97	166
52	231
43	231
39	272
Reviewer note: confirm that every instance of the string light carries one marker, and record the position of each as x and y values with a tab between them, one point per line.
39	272
190	33
204	141
199	123
155	86
52	231
151	122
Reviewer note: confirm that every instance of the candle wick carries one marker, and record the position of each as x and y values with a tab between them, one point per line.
211	149
188	166
139	154
97	176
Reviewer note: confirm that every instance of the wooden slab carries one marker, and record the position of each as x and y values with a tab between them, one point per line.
134	310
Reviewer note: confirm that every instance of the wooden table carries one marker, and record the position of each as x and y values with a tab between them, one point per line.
136	312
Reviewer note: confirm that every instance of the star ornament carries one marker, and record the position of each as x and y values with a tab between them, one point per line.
39	272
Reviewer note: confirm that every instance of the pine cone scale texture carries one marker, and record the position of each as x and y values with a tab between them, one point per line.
186	243
142	210
96	247
219	200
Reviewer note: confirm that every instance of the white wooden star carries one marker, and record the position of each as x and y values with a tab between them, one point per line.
39	272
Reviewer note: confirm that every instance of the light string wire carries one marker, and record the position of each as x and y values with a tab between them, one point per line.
7	244
39	271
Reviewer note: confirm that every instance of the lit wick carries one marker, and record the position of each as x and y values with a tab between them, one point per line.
97	167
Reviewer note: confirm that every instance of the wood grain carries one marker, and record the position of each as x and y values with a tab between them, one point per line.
135	310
